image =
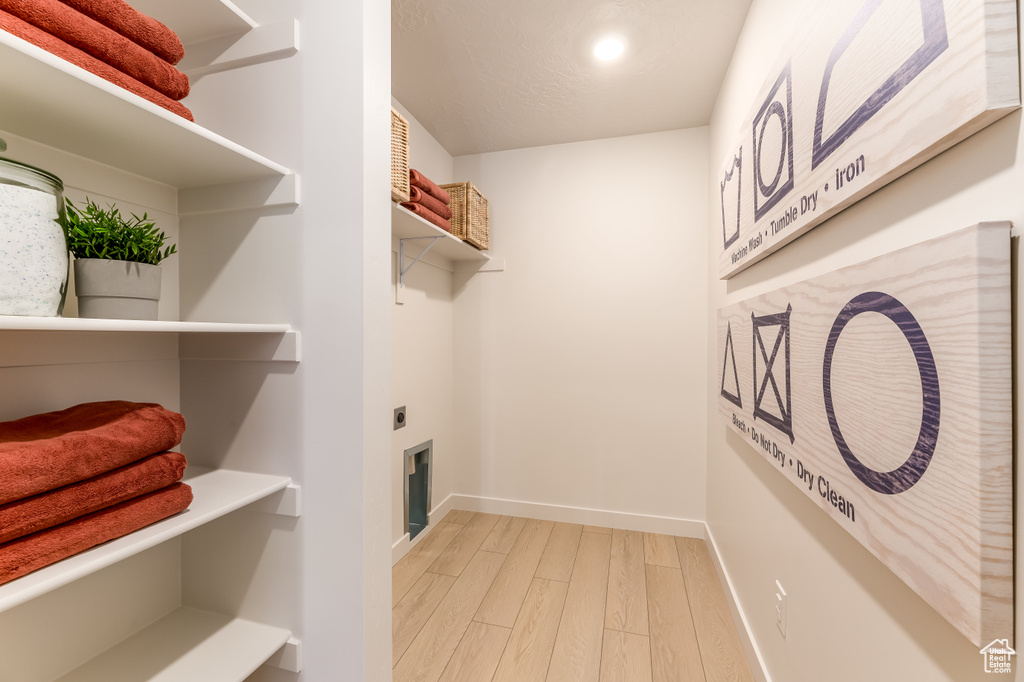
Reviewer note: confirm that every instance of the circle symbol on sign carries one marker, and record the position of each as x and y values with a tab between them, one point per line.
774	110
905	476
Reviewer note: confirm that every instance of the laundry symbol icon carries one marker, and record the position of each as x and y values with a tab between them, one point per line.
935	41
779	411
731	196
905	476
731	378
773	145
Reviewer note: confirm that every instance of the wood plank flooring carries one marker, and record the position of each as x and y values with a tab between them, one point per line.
504	600
487	598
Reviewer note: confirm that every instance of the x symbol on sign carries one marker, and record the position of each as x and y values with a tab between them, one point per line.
784	421
769	366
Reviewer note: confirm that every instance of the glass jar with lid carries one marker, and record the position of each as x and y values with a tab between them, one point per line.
33	247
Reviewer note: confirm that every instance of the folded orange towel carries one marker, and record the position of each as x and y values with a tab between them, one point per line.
47	510
40	38
95	39
52	450
418	196
32	552
134	25
425	213
420	180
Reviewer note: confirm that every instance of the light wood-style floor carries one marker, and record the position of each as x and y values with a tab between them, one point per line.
486	598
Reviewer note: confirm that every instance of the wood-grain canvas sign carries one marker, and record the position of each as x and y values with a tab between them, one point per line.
866	91
883	392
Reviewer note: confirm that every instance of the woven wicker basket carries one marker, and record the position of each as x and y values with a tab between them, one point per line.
469	214
399	157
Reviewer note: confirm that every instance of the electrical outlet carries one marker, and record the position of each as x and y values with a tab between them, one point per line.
780	607
399	417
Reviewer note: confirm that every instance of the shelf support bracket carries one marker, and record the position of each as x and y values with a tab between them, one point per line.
259	44
289	656
401	261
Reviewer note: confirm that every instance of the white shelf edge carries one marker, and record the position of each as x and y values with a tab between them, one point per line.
242	16
198	20
51	347
81	75
187	645
103	84
407	225
81	324
217	492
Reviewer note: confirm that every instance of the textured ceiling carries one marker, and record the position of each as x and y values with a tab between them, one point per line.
489	75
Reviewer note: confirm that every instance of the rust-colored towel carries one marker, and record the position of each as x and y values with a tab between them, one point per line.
56	46
78	499
425	213
32	552
134	25
52	450
420	180
95	39
418	196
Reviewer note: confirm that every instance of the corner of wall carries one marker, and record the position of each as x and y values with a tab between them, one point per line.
422	348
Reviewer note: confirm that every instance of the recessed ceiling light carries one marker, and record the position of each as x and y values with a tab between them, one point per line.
609	48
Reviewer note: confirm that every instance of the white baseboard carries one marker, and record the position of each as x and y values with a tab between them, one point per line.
590	517
738	615
402	546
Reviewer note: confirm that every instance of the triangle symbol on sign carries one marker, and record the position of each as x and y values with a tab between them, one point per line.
730	376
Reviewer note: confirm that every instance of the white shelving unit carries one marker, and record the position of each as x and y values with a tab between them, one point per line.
424	237
196	340
81	324
74	113
407	225
185	646
38	88
216	493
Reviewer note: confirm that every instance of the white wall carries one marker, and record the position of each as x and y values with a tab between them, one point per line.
421	348
578	370
850	619
346	329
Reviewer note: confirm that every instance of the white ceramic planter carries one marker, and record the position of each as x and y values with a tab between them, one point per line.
117	289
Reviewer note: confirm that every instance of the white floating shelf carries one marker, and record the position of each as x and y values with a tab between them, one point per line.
217	492
54	102
407	225
82	324
185	646
197	20
191	340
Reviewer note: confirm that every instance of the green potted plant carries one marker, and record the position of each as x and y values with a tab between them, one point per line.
117	273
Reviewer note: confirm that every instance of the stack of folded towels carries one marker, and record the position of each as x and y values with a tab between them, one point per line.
429	201
74	479
109	38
